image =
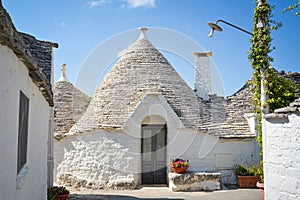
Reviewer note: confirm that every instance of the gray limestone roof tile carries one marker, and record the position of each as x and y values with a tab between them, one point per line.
42	52
239	104
142	69
35	54
69	105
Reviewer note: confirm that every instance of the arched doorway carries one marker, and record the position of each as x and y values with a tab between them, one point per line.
153	149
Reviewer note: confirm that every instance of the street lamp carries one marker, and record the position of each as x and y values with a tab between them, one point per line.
263	85
263	73
263	96
215	26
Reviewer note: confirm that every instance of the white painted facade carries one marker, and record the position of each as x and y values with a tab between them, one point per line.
100	157
31	182
282	156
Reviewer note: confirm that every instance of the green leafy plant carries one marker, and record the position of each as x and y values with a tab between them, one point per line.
242	170
279	90
56	190
293	8
260	171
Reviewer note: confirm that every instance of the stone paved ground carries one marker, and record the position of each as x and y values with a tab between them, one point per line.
156	193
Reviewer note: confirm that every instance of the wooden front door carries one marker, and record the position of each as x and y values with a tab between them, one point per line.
154	140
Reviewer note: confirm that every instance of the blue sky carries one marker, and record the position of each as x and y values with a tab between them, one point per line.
80	26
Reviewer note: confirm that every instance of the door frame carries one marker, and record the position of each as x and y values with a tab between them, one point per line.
150	127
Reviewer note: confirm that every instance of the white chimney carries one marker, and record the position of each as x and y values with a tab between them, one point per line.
202	74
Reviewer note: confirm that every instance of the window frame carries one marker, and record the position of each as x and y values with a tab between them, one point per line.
23	127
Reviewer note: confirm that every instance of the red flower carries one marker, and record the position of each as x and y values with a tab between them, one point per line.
179	163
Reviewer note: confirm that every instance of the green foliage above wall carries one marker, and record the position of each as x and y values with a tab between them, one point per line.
280	90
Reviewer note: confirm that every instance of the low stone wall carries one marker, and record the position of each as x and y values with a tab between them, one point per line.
194	181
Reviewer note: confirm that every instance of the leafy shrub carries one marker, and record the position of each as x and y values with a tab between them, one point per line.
242	170
56	190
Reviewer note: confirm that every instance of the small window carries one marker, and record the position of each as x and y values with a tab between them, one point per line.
23	131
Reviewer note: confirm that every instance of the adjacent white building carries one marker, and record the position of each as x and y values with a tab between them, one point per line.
282	153
26	98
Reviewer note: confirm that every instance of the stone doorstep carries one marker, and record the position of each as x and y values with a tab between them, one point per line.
190	181
122	184
194	181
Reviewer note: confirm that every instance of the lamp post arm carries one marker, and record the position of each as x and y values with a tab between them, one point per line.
225	22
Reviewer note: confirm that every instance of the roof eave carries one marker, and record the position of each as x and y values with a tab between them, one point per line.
11	38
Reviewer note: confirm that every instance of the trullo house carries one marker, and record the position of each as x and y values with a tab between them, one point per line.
143	114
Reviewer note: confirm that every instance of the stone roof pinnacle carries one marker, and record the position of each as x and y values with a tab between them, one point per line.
63	76
142	69
143	33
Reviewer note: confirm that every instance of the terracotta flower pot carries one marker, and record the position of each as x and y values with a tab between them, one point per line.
61	197
261	187
247	181
179	170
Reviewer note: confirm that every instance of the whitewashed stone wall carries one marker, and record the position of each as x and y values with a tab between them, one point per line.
102	158
105	159
282	154
209	153
31	183
97	160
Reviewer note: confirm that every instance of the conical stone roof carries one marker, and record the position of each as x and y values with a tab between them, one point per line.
142	69
69	105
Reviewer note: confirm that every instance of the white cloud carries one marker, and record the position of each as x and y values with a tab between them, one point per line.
129	3
141	3
97	3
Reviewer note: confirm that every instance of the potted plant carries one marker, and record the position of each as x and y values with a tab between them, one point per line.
260	183
247	177
58	193
179	166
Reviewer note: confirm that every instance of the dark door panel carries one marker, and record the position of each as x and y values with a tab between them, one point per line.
154	154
